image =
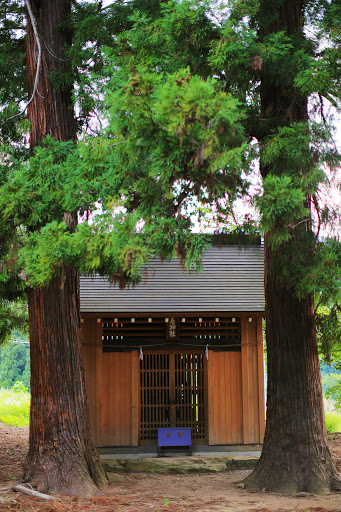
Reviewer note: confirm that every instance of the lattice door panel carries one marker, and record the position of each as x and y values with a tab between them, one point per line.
172	394
154	395
189	393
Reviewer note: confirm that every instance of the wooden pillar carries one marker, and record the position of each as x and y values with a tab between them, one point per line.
252	380
92	351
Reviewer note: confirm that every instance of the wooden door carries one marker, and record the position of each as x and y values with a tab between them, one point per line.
119	399
172	393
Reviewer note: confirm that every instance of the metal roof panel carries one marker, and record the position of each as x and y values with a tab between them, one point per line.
231	280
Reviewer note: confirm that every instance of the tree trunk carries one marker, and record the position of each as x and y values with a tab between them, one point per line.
51	110
61	456
61	453
295	456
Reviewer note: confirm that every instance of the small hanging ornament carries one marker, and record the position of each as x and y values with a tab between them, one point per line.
206	352
141	354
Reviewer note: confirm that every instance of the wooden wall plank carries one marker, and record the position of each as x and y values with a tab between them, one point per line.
117	416
252	373
134	398
233	393
211	397
245	381
221	381
239	398
219	419
217	398
225	379
127	406
113	398
92	353
120	394
111	413
235	390
260	366
217	405
252	389
99	384
227	394
256	382
105	409
119	391
228	385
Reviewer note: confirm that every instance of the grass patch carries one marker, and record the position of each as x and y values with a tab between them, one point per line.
333	422
15	407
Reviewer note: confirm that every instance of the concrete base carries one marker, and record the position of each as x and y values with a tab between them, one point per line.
180	464
142	452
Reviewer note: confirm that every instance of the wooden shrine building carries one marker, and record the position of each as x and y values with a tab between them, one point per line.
178	350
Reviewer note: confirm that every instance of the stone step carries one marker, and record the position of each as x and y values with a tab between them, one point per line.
198	464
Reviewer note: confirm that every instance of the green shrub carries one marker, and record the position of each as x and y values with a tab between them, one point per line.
15	407
333	422
19	386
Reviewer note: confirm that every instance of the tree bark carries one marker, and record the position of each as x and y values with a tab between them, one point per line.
62	456
295	455
61	453
51	110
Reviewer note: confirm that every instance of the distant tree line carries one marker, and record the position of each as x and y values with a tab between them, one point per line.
15	362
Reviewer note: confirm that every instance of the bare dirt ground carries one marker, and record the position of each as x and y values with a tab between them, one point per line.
129	492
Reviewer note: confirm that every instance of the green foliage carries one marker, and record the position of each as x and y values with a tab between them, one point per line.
331	381
328	323
178	85
282	207
329	287
113	247
180	129
158	41
15	407
331	378
324	281
13	131
334	393
174	137
42	189
14	365
12	72
19	387
13	315
290	150
333	422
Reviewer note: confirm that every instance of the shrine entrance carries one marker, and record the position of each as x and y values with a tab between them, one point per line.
173	389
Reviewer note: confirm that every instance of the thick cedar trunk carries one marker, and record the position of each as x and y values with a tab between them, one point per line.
61	453
61	456
295	456
50	111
